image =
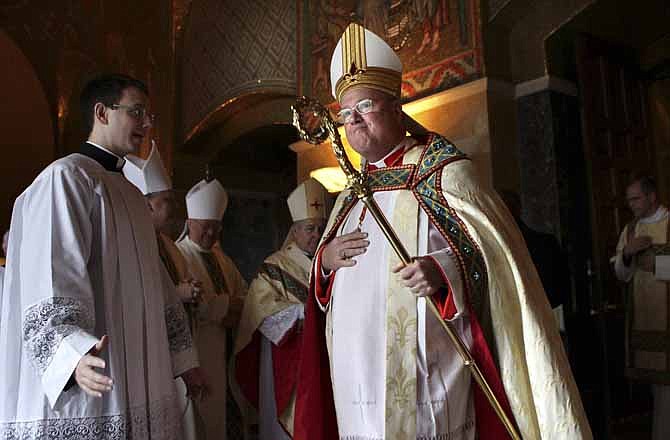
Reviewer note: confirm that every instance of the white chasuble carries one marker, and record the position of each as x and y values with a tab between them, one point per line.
392	365
422	391
84	263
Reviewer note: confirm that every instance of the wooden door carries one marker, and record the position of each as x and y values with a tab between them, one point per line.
617	140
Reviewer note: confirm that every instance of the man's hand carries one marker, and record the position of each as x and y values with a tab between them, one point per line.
636	245
421	276
197	385
93	383
341	250
189	291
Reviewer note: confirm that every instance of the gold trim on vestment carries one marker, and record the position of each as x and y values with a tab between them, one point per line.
355	67
353	49
378	78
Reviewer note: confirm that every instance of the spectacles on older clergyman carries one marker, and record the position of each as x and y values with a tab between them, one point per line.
361	107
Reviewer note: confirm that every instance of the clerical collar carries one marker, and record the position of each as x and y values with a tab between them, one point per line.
394	157
109	160
660	214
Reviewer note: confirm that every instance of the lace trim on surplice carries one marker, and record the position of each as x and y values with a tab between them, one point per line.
48	322
274	327
178	332
158	421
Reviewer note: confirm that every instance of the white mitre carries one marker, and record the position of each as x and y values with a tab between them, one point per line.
308	200
362	59
149	176
206	200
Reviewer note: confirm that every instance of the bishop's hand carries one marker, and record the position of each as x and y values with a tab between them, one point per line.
189	291
421	276
92	382
339	252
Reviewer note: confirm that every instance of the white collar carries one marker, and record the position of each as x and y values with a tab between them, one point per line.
660	214
119	160
381	162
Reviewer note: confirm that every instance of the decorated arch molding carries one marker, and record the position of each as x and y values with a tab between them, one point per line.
233	49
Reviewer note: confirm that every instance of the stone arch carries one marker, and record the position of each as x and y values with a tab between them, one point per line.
233	49
27	140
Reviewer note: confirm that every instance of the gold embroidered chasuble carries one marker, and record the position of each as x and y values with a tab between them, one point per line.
177	267
281	282
172	259
647	307
221	287
503	289
222	282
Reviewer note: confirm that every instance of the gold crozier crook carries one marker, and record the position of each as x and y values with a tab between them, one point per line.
322	127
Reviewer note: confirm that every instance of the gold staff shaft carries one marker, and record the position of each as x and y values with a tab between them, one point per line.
357	183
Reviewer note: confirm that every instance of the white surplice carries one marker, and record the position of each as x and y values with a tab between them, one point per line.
358	357
84	263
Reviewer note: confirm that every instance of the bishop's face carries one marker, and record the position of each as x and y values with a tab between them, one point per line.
307	233
375	133
204	233
128	123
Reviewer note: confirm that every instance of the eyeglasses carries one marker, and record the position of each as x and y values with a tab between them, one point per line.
361	107
137	112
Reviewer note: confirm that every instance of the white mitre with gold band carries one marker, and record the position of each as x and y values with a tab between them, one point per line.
149	176
206	200
308	200
363	59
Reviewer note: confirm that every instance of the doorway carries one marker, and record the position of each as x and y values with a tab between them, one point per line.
258	171
610	50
